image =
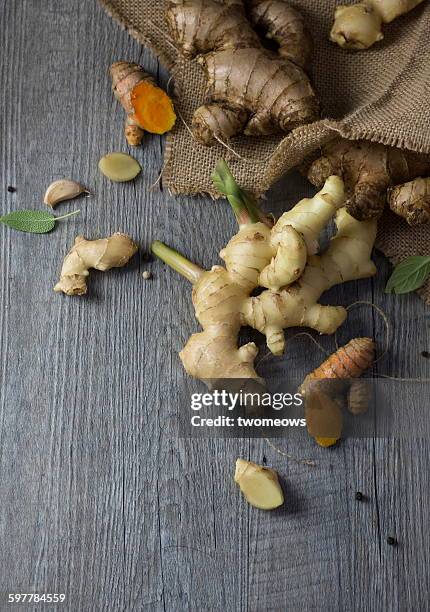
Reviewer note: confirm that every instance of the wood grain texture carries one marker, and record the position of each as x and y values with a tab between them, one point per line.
99	497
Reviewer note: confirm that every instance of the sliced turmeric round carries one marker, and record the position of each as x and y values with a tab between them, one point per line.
153	109
148	107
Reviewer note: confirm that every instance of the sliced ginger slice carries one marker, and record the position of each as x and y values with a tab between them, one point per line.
260	485
153	109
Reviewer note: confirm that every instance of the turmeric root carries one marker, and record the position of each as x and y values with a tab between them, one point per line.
359	26
368	170
103	254
323	418
222	296
349	361
359	397
259	485
250	89
323	389
411	201
148	107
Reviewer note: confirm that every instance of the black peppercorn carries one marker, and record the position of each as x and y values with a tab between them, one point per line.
264	460
359	496
425	354
391	541
11	189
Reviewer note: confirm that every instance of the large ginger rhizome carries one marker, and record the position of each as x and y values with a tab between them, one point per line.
282	259
250	89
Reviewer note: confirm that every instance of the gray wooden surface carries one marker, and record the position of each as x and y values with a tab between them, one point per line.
99	499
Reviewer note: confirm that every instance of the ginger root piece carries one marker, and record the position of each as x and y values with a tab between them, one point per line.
119	167
359	26
250	89
324	387
259	485
148	107
103	254
286	26
222	296
368	170
289	259
411	201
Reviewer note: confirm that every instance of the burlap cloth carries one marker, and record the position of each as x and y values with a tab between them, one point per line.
381	95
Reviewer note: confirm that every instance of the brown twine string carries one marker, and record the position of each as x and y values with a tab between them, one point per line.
269	442
387	344
284	454
186	124
163	33
171	77
235	153
321	348
423	380
247	160
386	322
155	183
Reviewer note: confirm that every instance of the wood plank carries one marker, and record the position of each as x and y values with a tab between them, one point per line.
320	552
67	526
203	526
401	464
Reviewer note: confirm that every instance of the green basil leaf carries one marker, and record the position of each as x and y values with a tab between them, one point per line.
409	275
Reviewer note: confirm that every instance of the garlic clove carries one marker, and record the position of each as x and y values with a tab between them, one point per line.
61	190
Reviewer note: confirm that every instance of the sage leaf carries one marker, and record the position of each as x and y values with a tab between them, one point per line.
33	221
409	275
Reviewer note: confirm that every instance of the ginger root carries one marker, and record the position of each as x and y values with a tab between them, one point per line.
359	26
259	485
103	254
148	107
250	89
258	255
368	170
411	201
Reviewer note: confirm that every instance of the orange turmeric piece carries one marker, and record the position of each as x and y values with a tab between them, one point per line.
323	418
349	361
325	442
148	107
153	109
330	381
